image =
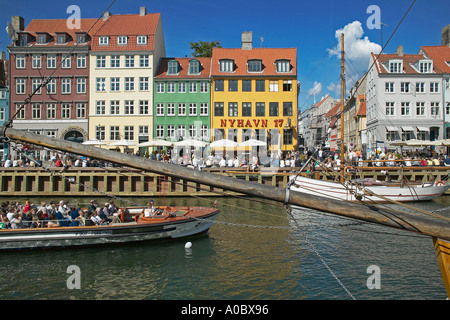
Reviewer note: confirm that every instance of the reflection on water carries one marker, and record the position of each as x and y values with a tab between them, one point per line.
280	259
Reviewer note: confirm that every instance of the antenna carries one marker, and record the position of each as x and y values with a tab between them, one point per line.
10	30
381	27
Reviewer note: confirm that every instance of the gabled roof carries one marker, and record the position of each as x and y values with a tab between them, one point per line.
440	56
334	111
183	65
408	60
362	109
268	56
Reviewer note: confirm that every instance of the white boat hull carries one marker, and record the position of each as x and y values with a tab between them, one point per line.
351	192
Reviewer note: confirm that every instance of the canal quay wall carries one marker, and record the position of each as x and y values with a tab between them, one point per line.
129	182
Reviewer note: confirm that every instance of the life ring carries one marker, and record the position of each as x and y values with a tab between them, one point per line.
347	168
439	183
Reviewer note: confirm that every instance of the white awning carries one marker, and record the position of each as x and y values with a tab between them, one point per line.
423	129
392	129
407	128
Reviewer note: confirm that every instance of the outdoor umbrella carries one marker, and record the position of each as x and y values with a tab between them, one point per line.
223	143
252	143
191	143
156	143
93	142
122	143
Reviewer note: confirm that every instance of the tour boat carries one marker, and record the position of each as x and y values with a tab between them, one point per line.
171	222
369	190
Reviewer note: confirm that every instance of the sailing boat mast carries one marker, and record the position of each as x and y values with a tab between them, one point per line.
342	108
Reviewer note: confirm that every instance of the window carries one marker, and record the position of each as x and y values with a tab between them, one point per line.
421	135
425	67
36	111
232	109
273	109
260	109
434	109
81	61
171	109
101	61
390	136
114	107
129	133
65	86
420	108
204	131
260	85
395	66
143	107
142	40
143	132
232	135
288	136
406	135
246	85
192	87
287	85
389	87
273	86
51	61
100	132
143	61
182	109
129	61
81	110
434	87
203	109
103	41
122	40
170	87
283	65
36	61
160	87
287	109
20	86
115	61
204	86
101	84
159	131
420	87
129	107
51	86
404	87
218	109
66	62
160	109
447	109
181	87
181	130
232	85
129	84
194	67
143	83
81	38
172	67
20	110
226	65
404	109
100	107
246	109
192	109
218	85
114	133
390	108
65	111
42	39
115	84
254	66
171	131
51	111
36	86
61	39
81	85
192	131
20	61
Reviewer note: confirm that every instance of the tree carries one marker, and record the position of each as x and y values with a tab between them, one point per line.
204	48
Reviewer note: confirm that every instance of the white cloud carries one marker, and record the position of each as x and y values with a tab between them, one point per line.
316	89
357	48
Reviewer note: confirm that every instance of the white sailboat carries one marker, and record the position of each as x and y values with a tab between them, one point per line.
365	189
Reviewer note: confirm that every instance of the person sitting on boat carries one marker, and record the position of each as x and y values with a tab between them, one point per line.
75	217
52	221
16	222
63	221
104	213
92	207
112	208
446	161
96	218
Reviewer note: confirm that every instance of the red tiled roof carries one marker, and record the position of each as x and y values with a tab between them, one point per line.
334	111
205	64
267	55
440	56
407	59
362	109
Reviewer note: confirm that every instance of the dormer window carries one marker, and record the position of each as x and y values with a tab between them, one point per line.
61	38
254	65
23	41
283	65
194	67
122	40
103	41
395	66
42	38
226	65
425	66
81	37
172	67
142	40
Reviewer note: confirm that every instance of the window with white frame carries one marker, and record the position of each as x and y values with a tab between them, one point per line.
129	61
142	40
143	84
122	40
129	84
36	61
203	109
81	61
159	131
65	111
395	66
192	87
103	41
181	87
2	113
20	86
129	106
101	61
273	85
204	132
65	86
204	86
143	61
143	107
192	109
172	67
51	61
20	61
51	111
100	107
36	111
434	87
226	65
114	107
390	108
20	111
115	84
171	109
420	87
434	107
160	109
36	85
181	109
194	67
420	108
192	131
160	87
171	131
81	110
425	67
101	84
182	130
129	133
115	61
404	109
81	85
389	87
404	87
283	66
114	133
100	133
143	131
170	87
66	62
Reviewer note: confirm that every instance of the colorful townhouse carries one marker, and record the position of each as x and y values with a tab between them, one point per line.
182	99
254	95
123	59
49	48
4	100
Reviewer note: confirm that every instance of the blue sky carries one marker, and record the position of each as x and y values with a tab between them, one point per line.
310	26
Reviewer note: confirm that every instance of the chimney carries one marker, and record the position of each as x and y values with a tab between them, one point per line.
247	40
399	51
445	41
3	55
142	11
18	25
106	15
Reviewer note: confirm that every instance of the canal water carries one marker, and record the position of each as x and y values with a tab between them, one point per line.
255	251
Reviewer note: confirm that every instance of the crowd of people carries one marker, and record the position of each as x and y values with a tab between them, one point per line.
29	215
